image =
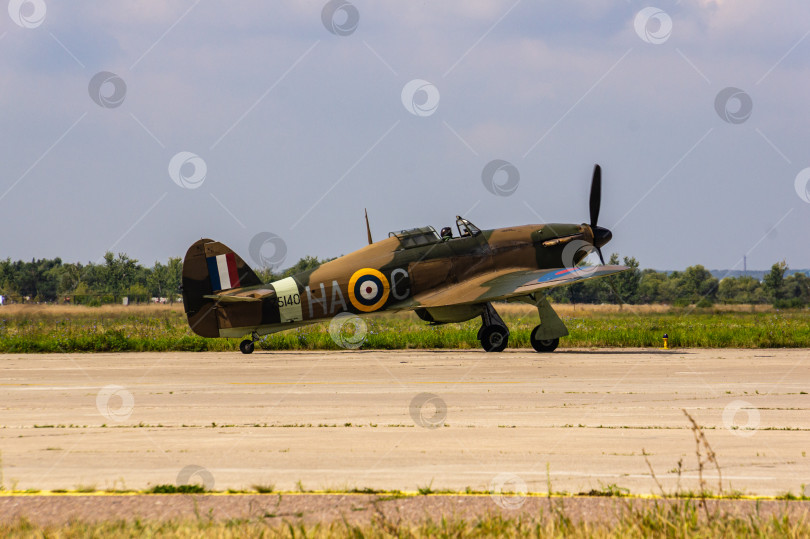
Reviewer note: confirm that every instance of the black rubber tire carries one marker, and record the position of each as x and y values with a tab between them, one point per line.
246	346
494	338
547	345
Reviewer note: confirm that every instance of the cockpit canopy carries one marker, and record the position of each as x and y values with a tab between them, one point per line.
427	235
416	237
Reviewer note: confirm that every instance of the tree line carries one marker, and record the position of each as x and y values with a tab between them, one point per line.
693	286
115	277
108	281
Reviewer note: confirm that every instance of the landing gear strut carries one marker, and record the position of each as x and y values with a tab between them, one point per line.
546	336
247	345
494	335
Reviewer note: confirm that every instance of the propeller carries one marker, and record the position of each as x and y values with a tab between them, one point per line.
601	235
596	194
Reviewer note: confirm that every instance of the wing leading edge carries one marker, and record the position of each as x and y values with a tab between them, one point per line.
510	284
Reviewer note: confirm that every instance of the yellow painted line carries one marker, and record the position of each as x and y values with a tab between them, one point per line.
381	382
403	494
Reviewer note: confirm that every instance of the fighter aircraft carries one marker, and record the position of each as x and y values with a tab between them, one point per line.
442	277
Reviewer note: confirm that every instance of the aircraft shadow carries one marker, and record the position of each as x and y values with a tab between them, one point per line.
485	354
620	352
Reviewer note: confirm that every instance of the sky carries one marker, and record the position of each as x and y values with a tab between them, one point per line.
142	126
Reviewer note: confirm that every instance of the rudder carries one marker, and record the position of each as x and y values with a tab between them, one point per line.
210	266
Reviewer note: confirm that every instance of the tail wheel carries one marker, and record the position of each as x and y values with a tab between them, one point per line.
246	346
494	338
543	345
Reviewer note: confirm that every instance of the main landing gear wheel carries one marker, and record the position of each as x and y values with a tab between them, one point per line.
494	338
543	345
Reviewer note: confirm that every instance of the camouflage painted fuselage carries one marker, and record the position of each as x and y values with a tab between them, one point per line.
387	275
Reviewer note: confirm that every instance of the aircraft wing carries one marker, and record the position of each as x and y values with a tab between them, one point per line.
242	295
507	284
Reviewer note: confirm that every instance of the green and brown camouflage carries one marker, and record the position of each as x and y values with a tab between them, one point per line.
408	270
442	278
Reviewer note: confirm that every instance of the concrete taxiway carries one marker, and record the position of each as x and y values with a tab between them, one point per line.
579	419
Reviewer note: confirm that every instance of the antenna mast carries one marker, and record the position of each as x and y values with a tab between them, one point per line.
368	228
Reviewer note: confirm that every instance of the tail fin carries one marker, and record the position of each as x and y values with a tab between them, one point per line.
209	267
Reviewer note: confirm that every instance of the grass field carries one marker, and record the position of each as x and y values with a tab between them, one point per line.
678	519
43	328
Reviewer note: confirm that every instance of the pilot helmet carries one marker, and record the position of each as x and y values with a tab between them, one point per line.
447	232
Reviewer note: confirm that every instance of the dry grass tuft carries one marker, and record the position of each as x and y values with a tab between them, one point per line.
35	310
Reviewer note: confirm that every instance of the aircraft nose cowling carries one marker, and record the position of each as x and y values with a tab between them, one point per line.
601	235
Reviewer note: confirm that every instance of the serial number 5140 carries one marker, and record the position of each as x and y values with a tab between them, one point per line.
292	299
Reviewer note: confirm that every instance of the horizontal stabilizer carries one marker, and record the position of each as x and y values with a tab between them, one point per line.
242	295
231	299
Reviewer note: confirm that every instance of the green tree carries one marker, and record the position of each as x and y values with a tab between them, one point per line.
83	295
35	279
7	284
68	277
696	284
138	293
795	291
797	286
174	277
94	278
737	290
774	281
649	286
156	281
119	273
625	285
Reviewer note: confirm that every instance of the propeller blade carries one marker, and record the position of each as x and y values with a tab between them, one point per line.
596	194
601	258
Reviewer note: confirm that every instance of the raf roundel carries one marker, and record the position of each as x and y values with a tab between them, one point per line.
368	290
